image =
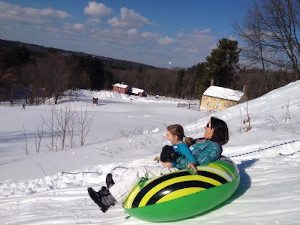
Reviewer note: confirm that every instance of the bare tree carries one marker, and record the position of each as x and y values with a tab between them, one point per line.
63	118
271	31
252	34
84	125
71	130
51	126
26	140
66	124
38	137
37	85
9	84
247	121
56	75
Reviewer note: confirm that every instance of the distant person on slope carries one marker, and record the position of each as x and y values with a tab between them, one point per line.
205	151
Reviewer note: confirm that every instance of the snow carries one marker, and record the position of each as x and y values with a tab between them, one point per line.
121	85
136	90
224	93
49	187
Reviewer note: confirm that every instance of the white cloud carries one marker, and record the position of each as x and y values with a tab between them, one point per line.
233	38
128	18
132	31
78	26
93	21
197	41
194	32
166	41
194	46
11	12
50	12
150	35
52	29
95	9
117	37
191	46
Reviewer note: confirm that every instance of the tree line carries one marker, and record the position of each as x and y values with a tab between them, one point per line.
37	76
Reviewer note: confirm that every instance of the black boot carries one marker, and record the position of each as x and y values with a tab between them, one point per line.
109	180
108	200
104	192
97	199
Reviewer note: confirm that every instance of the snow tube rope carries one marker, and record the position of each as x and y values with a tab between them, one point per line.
266	148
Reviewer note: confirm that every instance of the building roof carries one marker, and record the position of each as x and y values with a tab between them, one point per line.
120	85
136	90
224	93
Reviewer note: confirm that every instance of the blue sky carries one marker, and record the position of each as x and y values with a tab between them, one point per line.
162	33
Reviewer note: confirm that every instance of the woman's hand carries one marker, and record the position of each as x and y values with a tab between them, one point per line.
156	159
193	166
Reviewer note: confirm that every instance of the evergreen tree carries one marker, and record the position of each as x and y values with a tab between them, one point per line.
11	77
95	70
179	83
108	80
223	62
202	78
14	56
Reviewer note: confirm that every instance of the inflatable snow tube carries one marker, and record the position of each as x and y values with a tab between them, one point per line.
180	194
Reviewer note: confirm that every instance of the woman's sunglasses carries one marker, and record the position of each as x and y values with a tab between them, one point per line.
208	125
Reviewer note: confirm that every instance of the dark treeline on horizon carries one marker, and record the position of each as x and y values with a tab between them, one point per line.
37	74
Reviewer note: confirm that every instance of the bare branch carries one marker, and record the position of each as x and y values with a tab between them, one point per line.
271	32
39	137
84	124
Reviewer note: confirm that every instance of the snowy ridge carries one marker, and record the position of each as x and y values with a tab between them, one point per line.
55	192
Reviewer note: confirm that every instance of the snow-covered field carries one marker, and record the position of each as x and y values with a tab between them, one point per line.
49	187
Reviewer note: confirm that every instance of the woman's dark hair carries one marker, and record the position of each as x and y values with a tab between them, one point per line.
220	134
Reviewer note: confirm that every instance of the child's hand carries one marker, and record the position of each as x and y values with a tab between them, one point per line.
166	164
193	166
156	158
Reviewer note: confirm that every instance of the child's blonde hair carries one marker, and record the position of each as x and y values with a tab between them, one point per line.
177	129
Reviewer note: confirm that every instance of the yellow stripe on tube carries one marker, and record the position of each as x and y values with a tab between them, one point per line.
133	194
227	170
169	182
179	193
217	170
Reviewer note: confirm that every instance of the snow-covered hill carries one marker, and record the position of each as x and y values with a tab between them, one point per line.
50	187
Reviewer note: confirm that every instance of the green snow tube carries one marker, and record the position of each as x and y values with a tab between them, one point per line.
180	194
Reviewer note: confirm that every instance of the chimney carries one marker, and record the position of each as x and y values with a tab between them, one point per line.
212	82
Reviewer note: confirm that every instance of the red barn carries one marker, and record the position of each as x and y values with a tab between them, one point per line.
121	88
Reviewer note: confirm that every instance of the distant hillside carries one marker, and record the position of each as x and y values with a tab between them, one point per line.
108	62
79	70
